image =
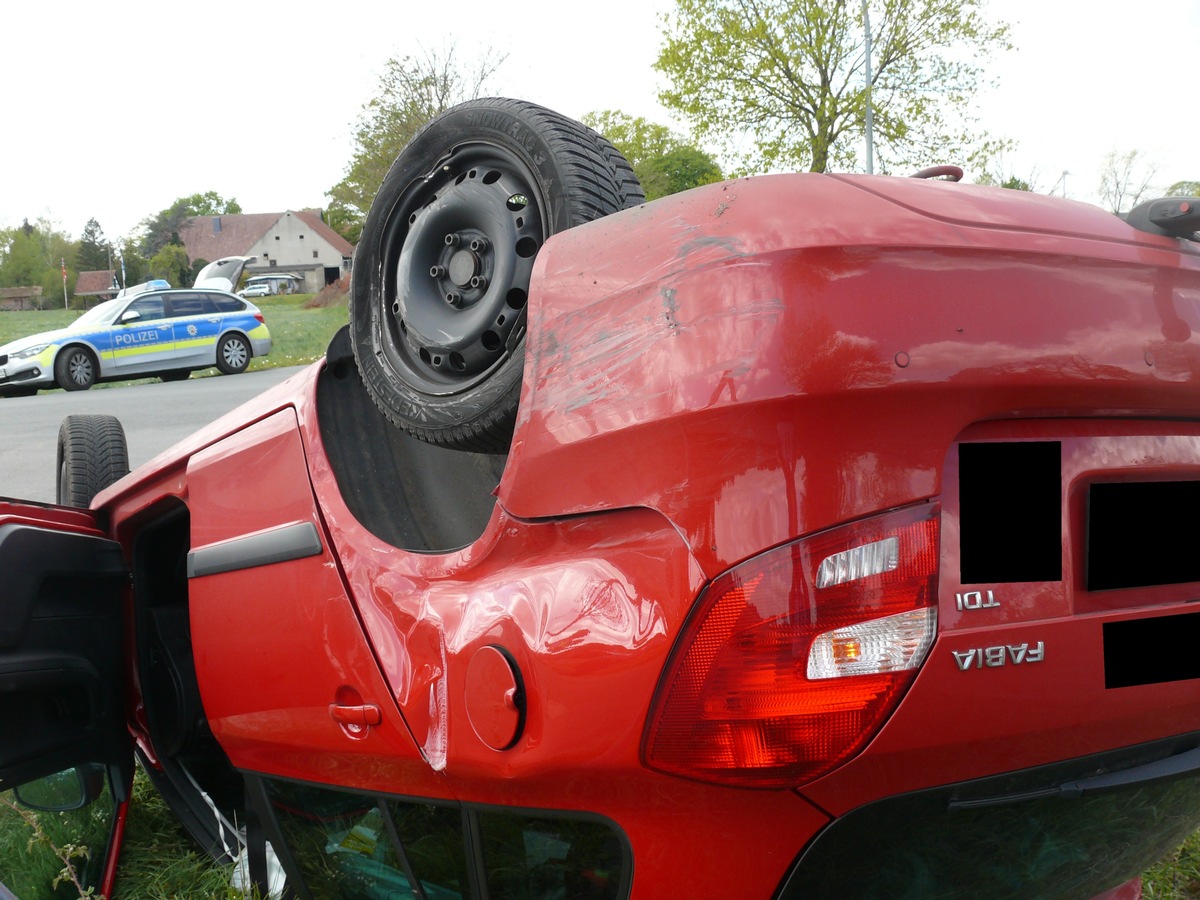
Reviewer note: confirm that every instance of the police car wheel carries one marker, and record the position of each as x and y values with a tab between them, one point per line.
442	271
233	354
75	369
91	455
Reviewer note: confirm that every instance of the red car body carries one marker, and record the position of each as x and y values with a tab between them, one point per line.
723	389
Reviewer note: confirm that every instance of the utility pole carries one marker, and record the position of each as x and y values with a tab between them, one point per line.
870	123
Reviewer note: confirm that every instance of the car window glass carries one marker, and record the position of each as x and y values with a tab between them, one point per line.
346	847
228	304
356	846
547	857
190	305
148	307
101	314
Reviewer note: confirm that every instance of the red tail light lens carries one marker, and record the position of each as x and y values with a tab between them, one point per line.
259	317
792	660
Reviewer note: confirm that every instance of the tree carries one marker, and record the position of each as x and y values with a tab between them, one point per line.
163	228
1184	189
133	266
94	251
1124	179
682	168
197	264
664	162
997	178
171	263
789	74
36	254
412	90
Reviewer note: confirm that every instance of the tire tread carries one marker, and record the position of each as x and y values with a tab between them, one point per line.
92	454
595	180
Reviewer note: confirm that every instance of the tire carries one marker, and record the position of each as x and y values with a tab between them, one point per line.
75	368
91	455
441	274
233	354
176	375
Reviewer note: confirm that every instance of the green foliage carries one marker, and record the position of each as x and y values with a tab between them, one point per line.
198	264
1012	182
1184	189
411	91
682	168
137	269
664	162
94	251
210	203
163	228
33	255
171	263
1178	876
789	74
47	854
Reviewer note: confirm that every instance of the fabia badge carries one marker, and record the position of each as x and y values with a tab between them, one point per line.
995	657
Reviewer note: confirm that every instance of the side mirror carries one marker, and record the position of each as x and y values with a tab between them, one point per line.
130	315
69	789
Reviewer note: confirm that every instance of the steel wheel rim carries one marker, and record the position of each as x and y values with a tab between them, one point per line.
457	256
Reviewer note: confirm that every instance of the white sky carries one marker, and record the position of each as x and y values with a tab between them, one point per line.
115	110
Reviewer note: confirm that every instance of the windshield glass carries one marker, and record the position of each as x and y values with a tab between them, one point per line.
101	314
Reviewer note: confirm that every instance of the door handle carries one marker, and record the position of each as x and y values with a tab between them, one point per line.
356	717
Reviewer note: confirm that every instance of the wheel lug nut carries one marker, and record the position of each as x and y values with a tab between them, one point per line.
452	240
479	245
437	271
454	298
479	282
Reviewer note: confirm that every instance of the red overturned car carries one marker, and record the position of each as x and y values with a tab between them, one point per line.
797	536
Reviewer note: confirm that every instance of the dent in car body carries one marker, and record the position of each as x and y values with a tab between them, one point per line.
764	400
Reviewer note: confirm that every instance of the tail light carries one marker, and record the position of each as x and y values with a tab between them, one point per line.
259	317
792	660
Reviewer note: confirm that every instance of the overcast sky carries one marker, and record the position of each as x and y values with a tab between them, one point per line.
113	110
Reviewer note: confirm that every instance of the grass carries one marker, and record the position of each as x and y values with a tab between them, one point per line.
1178	876
160	861
300	331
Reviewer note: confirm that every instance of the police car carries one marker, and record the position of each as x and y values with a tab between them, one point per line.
150	330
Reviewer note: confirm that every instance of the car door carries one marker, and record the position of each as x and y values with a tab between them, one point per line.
63	674
62	643
269	609
197	325
141	338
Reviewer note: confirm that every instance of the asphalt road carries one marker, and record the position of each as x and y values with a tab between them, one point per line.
154	416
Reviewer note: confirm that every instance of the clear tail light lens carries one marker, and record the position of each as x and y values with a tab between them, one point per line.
792	660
